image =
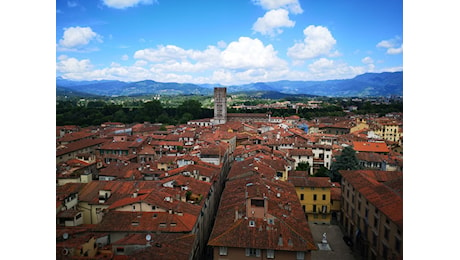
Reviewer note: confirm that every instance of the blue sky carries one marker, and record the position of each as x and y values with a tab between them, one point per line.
227	41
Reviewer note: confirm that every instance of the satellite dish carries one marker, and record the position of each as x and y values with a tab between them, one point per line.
65	236
148	237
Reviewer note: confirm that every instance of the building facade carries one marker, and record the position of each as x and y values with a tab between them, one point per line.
372	212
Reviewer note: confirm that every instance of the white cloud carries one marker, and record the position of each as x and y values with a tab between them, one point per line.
242	61
161	54
121	4
222	44
393	46
318	41
323	69
367	60
272	21
125	57
292	5
71	4
72	65
242	54
395	50
385	44
250	53
75	37
72	68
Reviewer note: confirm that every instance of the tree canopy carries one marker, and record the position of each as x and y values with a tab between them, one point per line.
345	161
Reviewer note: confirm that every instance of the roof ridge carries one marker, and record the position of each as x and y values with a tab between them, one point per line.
297	233
234	226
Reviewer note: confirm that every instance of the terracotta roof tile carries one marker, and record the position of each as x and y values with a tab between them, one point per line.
378	147
79	145
120	221
370	184
232	223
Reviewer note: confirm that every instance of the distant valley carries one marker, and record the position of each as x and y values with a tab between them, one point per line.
365	85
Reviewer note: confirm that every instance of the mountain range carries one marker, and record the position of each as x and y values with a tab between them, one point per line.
364	85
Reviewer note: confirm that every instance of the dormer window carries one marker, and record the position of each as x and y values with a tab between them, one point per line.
252	223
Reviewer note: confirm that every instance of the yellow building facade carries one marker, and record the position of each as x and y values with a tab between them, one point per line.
314	194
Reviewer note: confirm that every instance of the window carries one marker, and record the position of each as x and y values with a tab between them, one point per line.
301	197
324	196
252	223
385	252
314	196
120	249
252	252
270	253
223	250
385	233
398	245
300	256
314	208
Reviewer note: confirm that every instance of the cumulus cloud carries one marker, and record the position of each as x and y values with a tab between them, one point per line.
326	69
72	68
249	53
242	61
397	50
122	4
75	37
393	46
72	65
292	5
161	53
272	21
318	41
242	54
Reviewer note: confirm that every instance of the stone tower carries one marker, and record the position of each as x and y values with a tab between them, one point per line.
220	106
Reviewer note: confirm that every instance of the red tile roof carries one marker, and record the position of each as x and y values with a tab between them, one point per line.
79	145
167	247
369	184
70	137
120	221
377	147
122	171
232	228
316	182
